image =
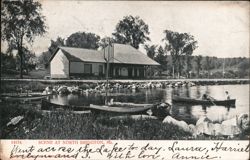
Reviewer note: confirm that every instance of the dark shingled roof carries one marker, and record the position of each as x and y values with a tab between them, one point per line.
119	53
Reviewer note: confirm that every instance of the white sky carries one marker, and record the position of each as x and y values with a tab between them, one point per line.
221	28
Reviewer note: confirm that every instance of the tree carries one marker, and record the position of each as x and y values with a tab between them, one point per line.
21	21
179	44
151	50
189	65
44	58
8	62
55	44
161	58
104	42
83	40
234	61
29	60
243	68
207	65
198	64
131	30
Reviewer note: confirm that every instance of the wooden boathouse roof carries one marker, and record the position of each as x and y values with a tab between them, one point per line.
118	53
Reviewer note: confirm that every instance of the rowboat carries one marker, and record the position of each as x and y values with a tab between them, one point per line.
46	105
120	109
229	102
34	97
124	104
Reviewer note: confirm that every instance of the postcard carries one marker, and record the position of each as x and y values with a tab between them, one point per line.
150	80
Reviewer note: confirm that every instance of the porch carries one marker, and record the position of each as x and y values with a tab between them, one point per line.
127	71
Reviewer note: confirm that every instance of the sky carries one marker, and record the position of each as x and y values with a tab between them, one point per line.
221	28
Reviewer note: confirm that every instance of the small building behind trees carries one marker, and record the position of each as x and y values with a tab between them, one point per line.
124	62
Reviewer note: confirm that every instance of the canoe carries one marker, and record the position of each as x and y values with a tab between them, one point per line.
23	97
45	112
124	104
230	102
120	110
46	105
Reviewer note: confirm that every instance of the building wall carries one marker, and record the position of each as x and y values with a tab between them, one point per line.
78	68
59	66
95	68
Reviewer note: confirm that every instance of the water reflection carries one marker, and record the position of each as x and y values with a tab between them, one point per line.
188	113
204	108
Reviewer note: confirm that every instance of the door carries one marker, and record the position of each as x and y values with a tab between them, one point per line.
130	72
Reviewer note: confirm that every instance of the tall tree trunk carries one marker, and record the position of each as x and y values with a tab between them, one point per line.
208	73
20	53
179	67
0	72
198	72
21	62
173	72
173	65
189	66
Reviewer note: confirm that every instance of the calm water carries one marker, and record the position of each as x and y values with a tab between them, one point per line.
188	113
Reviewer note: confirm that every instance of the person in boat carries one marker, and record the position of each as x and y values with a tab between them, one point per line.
227	95
111	102
204	97
207	97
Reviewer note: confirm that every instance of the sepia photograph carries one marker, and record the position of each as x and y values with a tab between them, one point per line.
124	70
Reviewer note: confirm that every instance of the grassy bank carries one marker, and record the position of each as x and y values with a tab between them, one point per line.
68	125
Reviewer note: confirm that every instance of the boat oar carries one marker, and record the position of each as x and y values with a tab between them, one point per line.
211	101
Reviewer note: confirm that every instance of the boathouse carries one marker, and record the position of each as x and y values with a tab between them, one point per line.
123	61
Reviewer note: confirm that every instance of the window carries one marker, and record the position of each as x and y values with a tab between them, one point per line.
88	68
135	72
100	70
117	71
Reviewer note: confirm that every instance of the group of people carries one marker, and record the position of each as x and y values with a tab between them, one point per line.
207	97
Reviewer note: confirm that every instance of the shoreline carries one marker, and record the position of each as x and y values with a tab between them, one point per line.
38	85
124	80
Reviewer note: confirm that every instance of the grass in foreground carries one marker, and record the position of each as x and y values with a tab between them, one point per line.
67	125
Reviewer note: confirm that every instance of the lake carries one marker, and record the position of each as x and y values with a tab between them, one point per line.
188	113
